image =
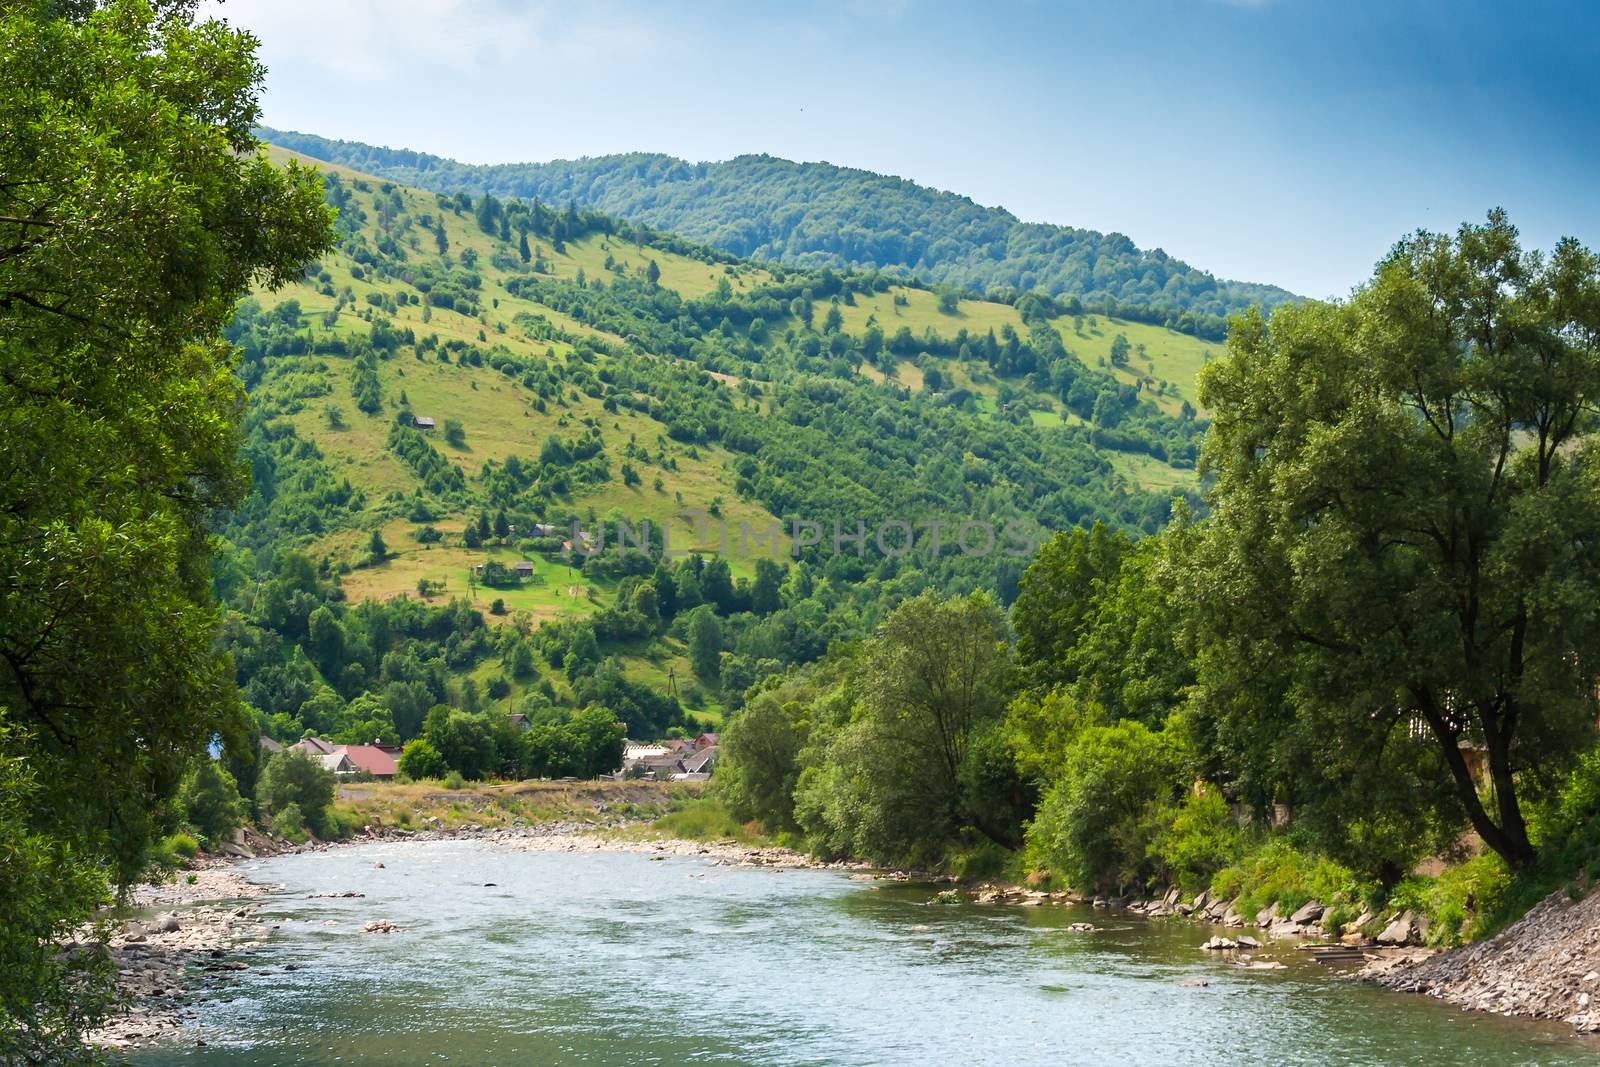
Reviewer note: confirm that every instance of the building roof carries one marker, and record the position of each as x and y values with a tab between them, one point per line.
520	721
701	760
370	758
269	745
523	567
705	740
337	762
313	746
422	422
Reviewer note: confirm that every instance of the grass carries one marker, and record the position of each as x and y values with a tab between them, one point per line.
697	818
921	310
1151	473
1174	358
488	804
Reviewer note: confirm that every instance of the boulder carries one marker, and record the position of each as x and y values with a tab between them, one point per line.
1171	899
1265	916
1309	912
1199	903
1193	983
1220	944
1246	941
1400	931
165	923
1083	928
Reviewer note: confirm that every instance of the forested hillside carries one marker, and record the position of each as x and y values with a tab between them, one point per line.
818	214
578	369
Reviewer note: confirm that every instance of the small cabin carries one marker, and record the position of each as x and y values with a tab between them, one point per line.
523	569
422	422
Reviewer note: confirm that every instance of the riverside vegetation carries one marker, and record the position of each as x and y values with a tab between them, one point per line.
1341	568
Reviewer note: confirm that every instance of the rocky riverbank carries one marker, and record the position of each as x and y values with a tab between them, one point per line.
174	946
1544	966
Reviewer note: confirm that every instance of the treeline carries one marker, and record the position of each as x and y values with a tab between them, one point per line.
1317	649
817	214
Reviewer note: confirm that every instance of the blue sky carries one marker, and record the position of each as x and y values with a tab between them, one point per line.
1283	141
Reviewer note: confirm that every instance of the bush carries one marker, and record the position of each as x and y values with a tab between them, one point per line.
292	779
453	780
1097	825
210	801
1275	872
289	822
1202	838
181	844
421	760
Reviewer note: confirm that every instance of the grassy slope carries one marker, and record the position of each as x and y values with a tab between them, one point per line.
500	420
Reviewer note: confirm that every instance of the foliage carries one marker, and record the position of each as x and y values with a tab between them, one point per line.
818	213
1404	515
112	294
293	779
48	889
419	760
1098	824
210	801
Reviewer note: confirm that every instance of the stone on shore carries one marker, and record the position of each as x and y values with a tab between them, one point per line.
1401	931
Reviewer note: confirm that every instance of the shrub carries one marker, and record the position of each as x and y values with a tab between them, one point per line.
453	780
421	760
1202	838
292	779
1097	825
181	844
289	822
1275	872
210	801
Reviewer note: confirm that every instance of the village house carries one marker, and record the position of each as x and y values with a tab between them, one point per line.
673	759
376	760
422	422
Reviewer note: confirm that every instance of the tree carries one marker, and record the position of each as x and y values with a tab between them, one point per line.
652	273
122	412
1405	517
911	769
1057	597
419	760
463	739
377	548
293	778
759	767
1119	351
522	246
210	801
1110	803
766	591
705	641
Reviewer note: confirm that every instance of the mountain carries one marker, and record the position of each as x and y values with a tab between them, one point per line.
579	368
818	214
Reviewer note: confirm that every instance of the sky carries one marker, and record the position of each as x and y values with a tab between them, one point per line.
1282	141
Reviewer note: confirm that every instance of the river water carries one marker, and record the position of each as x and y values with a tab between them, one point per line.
615	958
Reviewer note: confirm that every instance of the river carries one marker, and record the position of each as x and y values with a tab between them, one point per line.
616	958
